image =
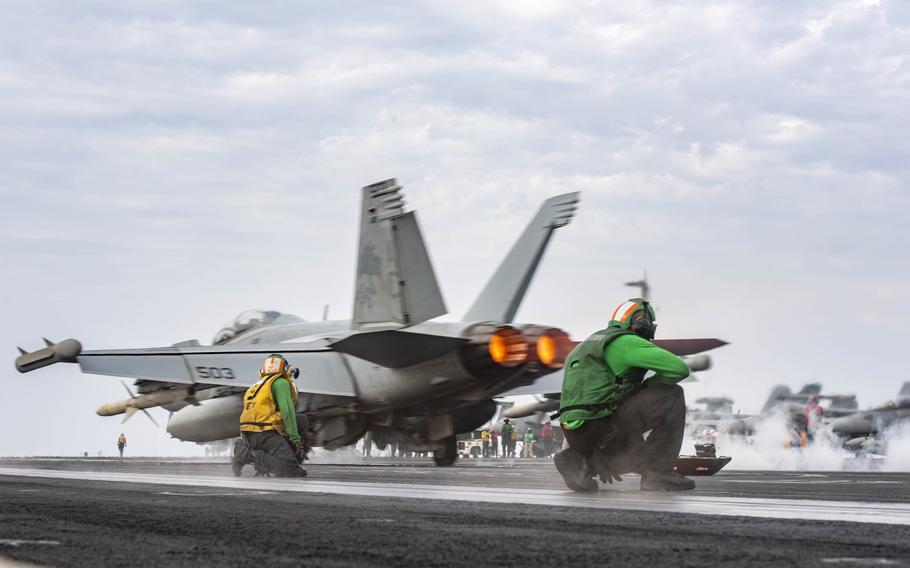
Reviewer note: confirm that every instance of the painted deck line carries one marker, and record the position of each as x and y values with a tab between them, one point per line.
802	509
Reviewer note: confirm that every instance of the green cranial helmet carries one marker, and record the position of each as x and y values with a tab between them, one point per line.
637	316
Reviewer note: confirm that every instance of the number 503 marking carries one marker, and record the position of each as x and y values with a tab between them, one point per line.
215	373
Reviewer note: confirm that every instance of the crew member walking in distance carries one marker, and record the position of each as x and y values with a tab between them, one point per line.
121	443
607	404
269	435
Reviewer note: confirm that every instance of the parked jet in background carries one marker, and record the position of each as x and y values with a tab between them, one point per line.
716	414
875	420
834	404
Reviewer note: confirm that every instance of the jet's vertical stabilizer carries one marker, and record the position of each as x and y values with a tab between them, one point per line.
395	282
503	294
778	394
904	392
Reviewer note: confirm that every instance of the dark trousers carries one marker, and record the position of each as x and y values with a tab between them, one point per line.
270	452
616	443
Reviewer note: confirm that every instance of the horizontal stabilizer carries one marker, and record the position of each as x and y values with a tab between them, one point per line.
501	297
683	347
397	349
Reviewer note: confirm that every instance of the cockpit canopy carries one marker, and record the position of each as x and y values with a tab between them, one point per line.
250	319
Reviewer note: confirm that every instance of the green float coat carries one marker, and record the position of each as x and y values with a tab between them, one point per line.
607	366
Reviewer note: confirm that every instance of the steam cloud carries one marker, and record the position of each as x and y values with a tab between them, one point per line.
766	450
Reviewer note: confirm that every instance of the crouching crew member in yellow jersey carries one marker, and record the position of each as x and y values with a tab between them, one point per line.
270	429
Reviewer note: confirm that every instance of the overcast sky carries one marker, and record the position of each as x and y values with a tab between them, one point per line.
166	165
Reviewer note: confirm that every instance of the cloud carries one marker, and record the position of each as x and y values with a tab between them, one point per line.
750	155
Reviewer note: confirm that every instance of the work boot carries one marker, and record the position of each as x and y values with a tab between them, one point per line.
237	468
571	465
665	481
299	472
240	456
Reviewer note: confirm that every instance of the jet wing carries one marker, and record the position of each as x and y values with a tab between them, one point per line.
322	370
684	347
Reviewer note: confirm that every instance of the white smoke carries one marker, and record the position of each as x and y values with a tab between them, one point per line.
767	449
897	448
346	455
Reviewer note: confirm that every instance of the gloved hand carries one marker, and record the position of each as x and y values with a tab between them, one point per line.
604	468
609	477
299	450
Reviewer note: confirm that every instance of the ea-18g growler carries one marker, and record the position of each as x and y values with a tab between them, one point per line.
388	369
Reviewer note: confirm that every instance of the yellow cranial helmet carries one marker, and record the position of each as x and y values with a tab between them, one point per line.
274	364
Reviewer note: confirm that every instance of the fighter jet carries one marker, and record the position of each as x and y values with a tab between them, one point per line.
874	420
389	369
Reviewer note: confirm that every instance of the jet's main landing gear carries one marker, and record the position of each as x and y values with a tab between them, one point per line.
447	455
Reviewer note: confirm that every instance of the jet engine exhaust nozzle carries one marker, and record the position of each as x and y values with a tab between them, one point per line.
508	347
494	347
551	345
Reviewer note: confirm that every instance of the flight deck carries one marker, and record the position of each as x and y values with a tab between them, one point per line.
385	511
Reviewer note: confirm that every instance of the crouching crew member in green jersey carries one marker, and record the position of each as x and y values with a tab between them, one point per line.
608	403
